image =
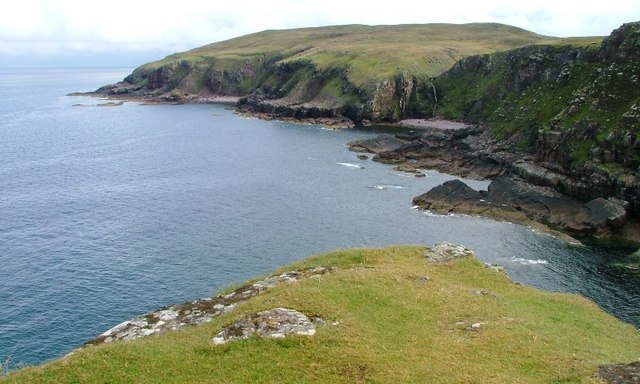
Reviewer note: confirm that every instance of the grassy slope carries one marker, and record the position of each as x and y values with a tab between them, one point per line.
392	328
372	52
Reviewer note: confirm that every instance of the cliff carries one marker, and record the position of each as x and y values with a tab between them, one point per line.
402	314
356	72
574	109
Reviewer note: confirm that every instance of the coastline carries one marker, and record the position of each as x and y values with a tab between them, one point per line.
451	147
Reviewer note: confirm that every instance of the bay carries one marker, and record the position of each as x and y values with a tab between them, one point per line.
109	212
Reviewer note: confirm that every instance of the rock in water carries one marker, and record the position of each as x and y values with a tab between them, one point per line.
379	144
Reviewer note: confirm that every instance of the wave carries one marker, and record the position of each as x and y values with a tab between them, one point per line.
387	186
433	214
351	165
529	261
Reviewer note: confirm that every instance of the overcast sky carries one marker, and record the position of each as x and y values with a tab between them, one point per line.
131	32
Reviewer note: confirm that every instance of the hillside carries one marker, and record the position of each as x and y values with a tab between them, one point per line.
354	71
401	314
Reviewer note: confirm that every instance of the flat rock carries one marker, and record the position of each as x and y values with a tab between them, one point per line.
275	323
518	201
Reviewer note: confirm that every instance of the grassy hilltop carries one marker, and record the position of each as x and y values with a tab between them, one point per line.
389	316
356	71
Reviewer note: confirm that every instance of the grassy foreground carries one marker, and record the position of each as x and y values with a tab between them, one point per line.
391	317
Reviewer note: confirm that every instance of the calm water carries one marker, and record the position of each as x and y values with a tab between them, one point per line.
109	212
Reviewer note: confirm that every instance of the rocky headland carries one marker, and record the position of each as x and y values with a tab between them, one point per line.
560	118
556	127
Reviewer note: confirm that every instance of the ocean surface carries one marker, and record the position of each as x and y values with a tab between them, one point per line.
110	212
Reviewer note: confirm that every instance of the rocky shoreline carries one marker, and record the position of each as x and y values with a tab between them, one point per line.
523	191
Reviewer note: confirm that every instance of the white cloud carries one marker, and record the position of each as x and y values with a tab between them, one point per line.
59	26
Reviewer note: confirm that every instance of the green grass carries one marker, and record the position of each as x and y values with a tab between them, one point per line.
392	327
372	52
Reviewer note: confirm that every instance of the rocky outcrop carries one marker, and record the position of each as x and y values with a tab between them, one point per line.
574	110
453	152
518	201
179	316
275	323
445	252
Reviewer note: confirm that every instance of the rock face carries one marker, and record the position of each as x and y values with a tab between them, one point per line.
276	323
202	311
572	109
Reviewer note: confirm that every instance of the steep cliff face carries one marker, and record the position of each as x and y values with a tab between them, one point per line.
266	85
575	109
355	71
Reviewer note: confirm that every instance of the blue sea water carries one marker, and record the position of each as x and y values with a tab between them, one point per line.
110	212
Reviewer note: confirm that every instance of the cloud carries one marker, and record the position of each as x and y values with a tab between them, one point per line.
48	27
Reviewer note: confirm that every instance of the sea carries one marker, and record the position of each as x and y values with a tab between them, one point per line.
108	212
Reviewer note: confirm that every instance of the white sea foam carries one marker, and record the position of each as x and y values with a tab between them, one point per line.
529	261
386	186
351	165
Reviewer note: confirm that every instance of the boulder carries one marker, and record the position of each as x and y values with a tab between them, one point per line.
606	212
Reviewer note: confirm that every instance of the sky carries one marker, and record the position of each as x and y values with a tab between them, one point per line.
132	32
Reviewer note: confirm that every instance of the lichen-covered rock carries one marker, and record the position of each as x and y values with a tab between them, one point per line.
446	251
197	312
275	323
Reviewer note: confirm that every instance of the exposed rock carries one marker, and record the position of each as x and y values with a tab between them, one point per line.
524	203
450	194
408	168
446	251
379	144
496	267
607	212
276	323
178	316
620	373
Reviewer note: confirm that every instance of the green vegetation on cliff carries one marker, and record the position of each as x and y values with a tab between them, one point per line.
390	317
574	102
357	71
